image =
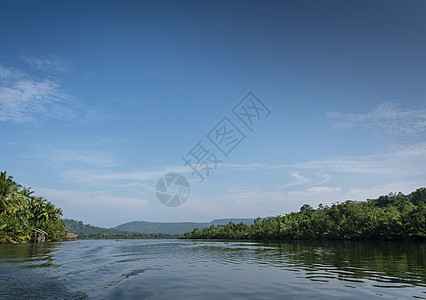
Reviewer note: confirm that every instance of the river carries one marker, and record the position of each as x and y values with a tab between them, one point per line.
199	269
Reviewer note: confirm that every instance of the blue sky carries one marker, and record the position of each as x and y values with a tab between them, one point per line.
99	99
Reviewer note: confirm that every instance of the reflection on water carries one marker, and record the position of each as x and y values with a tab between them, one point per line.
164	269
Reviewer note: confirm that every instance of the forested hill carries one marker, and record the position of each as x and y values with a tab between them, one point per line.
175	227
86	231
80	228
147	227
391	217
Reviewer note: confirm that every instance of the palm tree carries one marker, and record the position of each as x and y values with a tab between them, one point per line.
9	199
21	212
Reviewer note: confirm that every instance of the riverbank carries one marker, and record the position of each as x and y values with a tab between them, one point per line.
391	217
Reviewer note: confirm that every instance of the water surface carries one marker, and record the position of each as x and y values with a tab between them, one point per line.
182	269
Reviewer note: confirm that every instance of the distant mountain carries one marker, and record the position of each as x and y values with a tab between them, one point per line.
175	227
85	231
80	228
148	227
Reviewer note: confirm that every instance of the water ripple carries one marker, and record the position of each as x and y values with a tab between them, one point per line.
164	269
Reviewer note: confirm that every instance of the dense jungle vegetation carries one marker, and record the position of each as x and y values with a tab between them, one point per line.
21	212
392	217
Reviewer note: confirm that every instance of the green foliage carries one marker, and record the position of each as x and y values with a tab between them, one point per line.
391	217
80	228
20	212
86	231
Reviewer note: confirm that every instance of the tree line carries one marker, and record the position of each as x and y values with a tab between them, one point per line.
392	217
175	228
87	231
21	212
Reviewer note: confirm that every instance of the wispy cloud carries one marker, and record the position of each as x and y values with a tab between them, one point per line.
403	162
325	178
76	152
61	157
397	170
299	180
318	190
80	205
380	163
94	114
23	98
50	64
389	117
92	176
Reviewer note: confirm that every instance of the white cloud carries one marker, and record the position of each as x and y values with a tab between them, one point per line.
321	181
316	190
326	178
94	114
246	167
398	159
299	180
23	99
91	176
80	205
405	163
51	64
76	152
72	156
388	117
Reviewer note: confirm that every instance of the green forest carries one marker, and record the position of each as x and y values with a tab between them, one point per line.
87	231
392	217
21	212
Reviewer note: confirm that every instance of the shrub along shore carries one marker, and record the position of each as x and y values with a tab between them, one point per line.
391	217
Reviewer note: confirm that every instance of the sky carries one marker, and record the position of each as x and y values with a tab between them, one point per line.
100	99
